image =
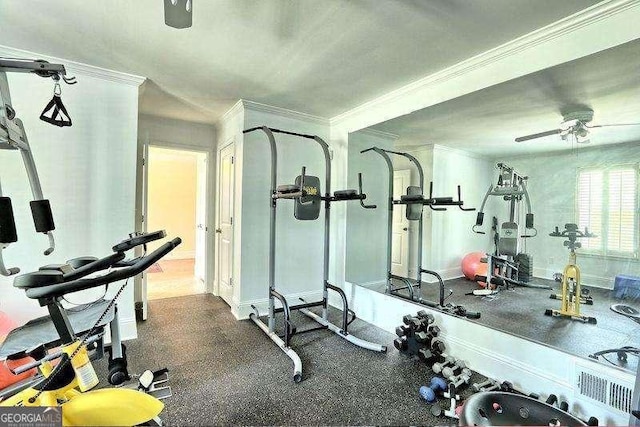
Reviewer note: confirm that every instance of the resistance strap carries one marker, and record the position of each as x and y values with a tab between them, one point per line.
59	115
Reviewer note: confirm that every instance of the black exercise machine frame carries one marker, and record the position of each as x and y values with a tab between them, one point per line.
283	341
433	203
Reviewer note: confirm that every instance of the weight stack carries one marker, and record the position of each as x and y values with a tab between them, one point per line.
525	267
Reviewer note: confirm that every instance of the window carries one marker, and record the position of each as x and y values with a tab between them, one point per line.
607	205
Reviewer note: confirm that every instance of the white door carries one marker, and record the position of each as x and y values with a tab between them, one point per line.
225	224
201	218
400	229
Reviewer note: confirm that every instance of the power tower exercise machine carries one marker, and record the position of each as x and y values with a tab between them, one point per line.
307	196
572	296
415	202
14	137
507	266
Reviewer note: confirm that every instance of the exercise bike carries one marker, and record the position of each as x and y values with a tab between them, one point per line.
69	384
572	296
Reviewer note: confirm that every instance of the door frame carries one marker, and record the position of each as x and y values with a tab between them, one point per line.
216	287
142	204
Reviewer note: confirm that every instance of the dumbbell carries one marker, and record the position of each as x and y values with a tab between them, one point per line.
481	386
401	343
422	314
433	330
463	378
450	371
422	337
564	406
428	356
438	346
402	331
552	399
430	393
438	366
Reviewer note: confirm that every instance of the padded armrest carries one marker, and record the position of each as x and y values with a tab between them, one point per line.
344	194
411	197
38	279
287	188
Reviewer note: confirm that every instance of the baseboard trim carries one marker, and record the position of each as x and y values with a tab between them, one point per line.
446	274
587	279
242	309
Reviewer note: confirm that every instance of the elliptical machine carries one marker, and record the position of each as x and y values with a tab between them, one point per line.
572	295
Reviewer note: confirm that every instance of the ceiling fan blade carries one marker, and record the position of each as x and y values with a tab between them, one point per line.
610	125
538	135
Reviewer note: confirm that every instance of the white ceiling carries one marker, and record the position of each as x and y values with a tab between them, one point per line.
488	121
319	57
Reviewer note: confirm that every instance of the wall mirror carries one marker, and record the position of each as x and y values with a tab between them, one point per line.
565	195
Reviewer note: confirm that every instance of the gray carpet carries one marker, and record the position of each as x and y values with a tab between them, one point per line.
520	311
226	372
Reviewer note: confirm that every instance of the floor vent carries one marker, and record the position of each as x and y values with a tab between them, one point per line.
613	394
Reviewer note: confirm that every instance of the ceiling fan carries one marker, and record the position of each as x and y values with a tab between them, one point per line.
178	13
575	123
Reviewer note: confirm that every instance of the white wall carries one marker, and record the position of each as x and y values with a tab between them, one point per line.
451	235
366	231
88	171
552	188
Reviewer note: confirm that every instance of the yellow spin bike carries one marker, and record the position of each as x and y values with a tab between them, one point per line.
572	296
70	384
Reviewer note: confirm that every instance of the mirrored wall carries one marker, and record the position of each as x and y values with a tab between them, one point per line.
551	251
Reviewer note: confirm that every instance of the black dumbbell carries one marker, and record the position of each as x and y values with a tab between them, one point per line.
401	343
564	406
406	319
422	337
552	399
427	356
438	346
422	314
593	421
433	330
402	330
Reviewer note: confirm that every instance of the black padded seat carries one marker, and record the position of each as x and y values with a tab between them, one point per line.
37	279
287	188
42	331
344	194
411	197
81	261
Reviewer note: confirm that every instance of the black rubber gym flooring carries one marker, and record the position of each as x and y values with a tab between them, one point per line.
520	311
226	372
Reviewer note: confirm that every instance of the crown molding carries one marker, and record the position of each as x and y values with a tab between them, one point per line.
378	133
584	18
236	109
296	115
445	148
74	67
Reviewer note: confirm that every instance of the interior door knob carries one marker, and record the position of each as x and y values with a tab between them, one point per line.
405	229
218	230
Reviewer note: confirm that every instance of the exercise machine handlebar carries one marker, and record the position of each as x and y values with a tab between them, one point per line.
362	194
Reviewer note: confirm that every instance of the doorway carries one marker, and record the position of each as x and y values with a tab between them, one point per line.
176	189
400	228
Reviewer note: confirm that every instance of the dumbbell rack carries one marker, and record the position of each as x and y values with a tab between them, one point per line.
283	341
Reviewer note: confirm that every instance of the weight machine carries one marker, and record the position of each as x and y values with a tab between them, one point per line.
14	137
415	202
572	295
307	197
505	265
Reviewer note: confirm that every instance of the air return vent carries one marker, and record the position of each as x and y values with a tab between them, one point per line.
614	393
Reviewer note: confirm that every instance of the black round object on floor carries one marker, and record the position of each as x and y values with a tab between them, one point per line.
626	310
508	409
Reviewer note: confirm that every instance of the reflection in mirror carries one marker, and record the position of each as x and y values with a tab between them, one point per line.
551	252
